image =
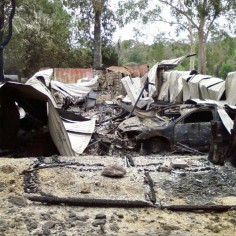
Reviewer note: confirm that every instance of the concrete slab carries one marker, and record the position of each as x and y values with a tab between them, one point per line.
201	183
82	178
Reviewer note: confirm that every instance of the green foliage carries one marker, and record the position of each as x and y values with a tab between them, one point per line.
225	69
109	56
142	10
93	25
220	54
34	43
83	15
156	52
42	38
132	51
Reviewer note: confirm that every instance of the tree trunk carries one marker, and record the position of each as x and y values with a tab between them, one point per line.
97	59
192	46
192	59
1	65
5	40
2	3
2	17
201	53
98	8
202	40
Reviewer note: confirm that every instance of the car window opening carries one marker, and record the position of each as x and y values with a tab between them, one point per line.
200	116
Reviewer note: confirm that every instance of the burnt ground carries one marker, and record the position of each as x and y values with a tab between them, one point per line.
200	183
203	186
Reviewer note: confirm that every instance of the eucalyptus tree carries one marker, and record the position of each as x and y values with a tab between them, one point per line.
94	24
7	11
197	17
202	16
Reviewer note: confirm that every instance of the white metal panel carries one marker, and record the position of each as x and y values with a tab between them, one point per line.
46	74
79	133
133	92
228	123
152	76
175	61
194	85
176	84
178	92
38	85
186	90
70	89
58	132
216	91
205	84
164	91
230	86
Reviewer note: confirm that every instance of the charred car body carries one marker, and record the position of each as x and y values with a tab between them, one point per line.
186	127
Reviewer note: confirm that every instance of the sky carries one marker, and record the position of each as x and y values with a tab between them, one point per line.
148	31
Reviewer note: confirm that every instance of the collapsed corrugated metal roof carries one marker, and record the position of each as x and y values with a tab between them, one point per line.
72	75
35	83
32	100
173	62
137	71
141	96
179	86
172	87
76	90
35	98
67	134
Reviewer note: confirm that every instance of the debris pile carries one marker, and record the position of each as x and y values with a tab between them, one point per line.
115	112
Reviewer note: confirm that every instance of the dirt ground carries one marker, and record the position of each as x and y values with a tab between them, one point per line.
80	177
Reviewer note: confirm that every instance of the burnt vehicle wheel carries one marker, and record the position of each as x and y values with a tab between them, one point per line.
156	145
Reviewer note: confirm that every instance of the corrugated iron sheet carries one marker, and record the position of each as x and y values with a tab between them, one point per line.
137	71
71	75
118	69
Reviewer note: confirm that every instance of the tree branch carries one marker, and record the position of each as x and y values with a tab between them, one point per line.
8	37
209	27
171	23
180	11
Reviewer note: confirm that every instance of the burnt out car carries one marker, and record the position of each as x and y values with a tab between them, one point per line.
188	126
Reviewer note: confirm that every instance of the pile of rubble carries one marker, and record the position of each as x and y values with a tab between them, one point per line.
111	112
